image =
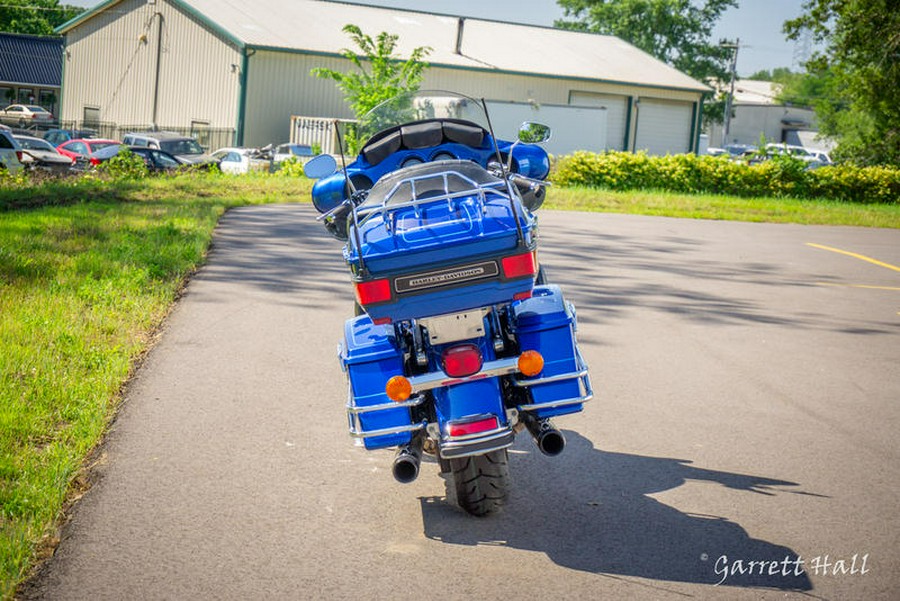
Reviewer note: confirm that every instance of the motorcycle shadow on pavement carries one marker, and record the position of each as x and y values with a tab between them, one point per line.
591	512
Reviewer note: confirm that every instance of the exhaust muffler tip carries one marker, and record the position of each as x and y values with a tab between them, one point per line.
405	469
548	439
406	463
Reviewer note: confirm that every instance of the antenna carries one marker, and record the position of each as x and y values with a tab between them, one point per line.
347	182
351	189
509	184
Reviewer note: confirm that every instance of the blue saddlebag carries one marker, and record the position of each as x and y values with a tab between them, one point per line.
546	323
370	359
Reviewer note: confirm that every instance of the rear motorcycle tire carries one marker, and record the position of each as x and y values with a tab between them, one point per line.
481	482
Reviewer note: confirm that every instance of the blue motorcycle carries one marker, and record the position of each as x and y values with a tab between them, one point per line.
458	342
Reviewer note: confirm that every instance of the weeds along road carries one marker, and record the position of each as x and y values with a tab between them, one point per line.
746	411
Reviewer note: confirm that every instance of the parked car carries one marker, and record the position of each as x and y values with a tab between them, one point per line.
58	136
24	115
821	156
84	147
185	148
737	150
10	152
155	159
38	154
798	152
240	160
286	151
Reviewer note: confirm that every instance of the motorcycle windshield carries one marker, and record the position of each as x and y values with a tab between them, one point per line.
419	106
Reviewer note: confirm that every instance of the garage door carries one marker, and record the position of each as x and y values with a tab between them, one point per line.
616	114
663	126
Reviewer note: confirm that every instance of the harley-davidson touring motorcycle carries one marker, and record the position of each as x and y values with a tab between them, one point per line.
458	343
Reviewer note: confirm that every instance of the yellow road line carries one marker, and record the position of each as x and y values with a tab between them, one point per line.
855	256
856	286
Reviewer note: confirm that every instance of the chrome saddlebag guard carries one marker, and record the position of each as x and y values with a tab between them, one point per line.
369	356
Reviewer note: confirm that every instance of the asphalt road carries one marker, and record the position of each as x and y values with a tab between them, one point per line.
747	411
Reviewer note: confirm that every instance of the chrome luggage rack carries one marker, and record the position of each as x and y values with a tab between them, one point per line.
409	192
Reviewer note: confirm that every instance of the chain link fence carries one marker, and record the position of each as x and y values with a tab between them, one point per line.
210	138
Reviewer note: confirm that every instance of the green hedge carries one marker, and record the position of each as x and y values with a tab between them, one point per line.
781	176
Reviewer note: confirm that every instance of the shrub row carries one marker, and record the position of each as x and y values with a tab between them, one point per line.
781	176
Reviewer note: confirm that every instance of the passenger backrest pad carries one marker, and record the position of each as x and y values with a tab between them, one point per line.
422	135
379	150
461	133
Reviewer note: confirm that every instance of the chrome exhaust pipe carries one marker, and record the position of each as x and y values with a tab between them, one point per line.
549	440
406	463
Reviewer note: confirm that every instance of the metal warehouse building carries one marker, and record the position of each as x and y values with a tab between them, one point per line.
242	68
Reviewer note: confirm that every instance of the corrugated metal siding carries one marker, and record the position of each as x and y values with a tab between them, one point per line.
280	86
111	63
315	26
112	59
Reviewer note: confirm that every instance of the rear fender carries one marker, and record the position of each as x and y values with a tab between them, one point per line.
457	402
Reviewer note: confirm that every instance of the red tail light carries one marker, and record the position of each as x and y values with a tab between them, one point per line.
370	293
518	266
19	155
482	425
94	161
461	360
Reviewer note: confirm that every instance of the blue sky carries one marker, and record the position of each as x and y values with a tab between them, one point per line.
756	22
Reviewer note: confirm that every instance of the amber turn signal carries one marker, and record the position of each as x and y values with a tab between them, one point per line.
531	363
398	389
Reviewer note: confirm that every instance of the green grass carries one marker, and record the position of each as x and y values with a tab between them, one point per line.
83	286
704	206
88	270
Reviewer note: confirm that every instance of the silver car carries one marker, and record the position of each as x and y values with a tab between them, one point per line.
185	148
23	115
10	152
40	155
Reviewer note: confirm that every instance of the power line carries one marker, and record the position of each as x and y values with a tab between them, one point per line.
25	7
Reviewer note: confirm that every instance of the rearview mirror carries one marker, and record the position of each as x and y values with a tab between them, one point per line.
319	167
534	133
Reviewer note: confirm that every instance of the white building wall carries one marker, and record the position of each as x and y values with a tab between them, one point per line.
111	65
773	121
112	61
280	86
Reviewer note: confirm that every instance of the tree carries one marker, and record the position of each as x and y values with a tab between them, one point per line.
675	31
778	75
382	76
804	89
861	64
37	17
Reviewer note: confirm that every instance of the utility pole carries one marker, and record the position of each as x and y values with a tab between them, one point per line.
726	127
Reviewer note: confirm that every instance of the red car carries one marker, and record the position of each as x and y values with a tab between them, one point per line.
82	148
